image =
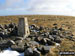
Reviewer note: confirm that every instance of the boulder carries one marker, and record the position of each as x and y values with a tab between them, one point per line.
49	42
35	53
43	41
34	43
57	40
28	39
45	50
10	42
50	37
18	48
18	38
4	45
28	52
38	39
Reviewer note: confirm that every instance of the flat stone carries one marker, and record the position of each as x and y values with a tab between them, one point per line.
28	39
47	48
34	43
17	48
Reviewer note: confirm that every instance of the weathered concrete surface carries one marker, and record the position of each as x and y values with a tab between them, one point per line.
23	28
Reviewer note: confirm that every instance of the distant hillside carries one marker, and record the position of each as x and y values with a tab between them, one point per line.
8	19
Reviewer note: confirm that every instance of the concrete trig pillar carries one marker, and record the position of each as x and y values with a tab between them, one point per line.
23	27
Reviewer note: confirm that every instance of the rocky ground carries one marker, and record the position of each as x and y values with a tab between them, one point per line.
48	36
41	40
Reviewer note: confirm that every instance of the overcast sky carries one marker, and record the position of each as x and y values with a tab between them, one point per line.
27	7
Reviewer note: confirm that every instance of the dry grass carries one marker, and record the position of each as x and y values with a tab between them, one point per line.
66	45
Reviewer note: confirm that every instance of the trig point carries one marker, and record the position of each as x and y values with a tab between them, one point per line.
23	27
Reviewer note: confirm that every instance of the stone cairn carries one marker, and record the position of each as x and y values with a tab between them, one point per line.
33	40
